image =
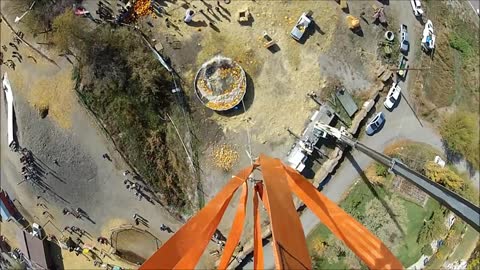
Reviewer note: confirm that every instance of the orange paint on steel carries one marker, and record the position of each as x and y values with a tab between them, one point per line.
361	241
288	241
236	230
184	248
257	234
170	254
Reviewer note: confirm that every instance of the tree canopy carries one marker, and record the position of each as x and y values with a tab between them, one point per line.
460	131
433	228
443	176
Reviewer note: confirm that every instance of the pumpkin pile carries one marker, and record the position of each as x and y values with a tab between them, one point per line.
224	156
143	8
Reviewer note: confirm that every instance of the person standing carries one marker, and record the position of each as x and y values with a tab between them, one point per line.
188	16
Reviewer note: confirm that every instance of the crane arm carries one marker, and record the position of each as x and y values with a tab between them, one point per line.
454	202
466	210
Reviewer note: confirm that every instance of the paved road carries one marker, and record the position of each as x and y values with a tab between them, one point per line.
475	5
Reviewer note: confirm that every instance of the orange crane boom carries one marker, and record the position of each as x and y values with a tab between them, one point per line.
184	249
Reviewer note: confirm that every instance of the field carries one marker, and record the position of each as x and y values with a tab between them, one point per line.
408	250
405	227
452	80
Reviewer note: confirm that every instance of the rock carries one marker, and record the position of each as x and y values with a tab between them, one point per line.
43	111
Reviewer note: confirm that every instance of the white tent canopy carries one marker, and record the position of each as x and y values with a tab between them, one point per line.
7	88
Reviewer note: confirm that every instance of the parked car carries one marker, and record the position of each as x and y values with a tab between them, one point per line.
404	43
402	66
392	96
36	230
375	124
301	26
428	40
417	7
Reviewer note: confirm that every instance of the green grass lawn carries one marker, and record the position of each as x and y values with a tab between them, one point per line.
360	194
410	251
466	246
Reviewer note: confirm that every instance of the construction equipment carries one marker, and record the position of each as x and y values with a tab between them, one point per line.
185	247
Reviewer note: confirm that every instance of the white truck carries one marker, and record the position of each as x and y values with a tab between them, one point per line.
301	26
417	7
392	96
428	40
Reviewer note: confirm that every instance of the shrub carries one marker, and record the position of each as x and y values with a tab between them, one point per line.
443	176
460	131
433	228
461	44
381	170
427	250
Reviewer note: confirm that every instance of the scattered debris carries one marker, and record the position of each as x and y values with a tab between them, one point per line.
224	156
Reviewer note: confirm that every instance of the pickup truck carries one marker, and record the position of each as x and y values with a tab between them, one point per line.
417	7
404	43
392	96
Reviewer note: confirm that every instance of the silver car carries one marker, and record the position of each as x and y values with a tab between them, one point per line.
375	124
404	44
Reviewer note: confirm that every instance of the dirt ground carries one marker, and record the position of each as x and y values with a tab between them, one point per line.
82	178
276	92
135	244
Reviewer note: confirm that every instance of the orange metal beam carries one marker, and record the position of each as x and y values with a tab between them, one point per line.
172	252
184	248
290	247
361	241
257	234
236	230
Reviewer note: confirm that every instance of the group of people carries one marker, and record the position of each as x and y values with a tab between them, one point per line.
139	219
104	11
136	187
15	54
29	168
77	213
190	13
76	230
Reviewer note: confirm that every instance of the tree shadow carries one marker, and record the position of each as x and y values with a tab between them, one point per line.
56	255
317	28
374	192
358	32
452	155
198	24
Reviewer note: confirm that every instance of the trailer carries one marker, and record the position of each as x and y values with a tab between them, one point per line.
402	66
